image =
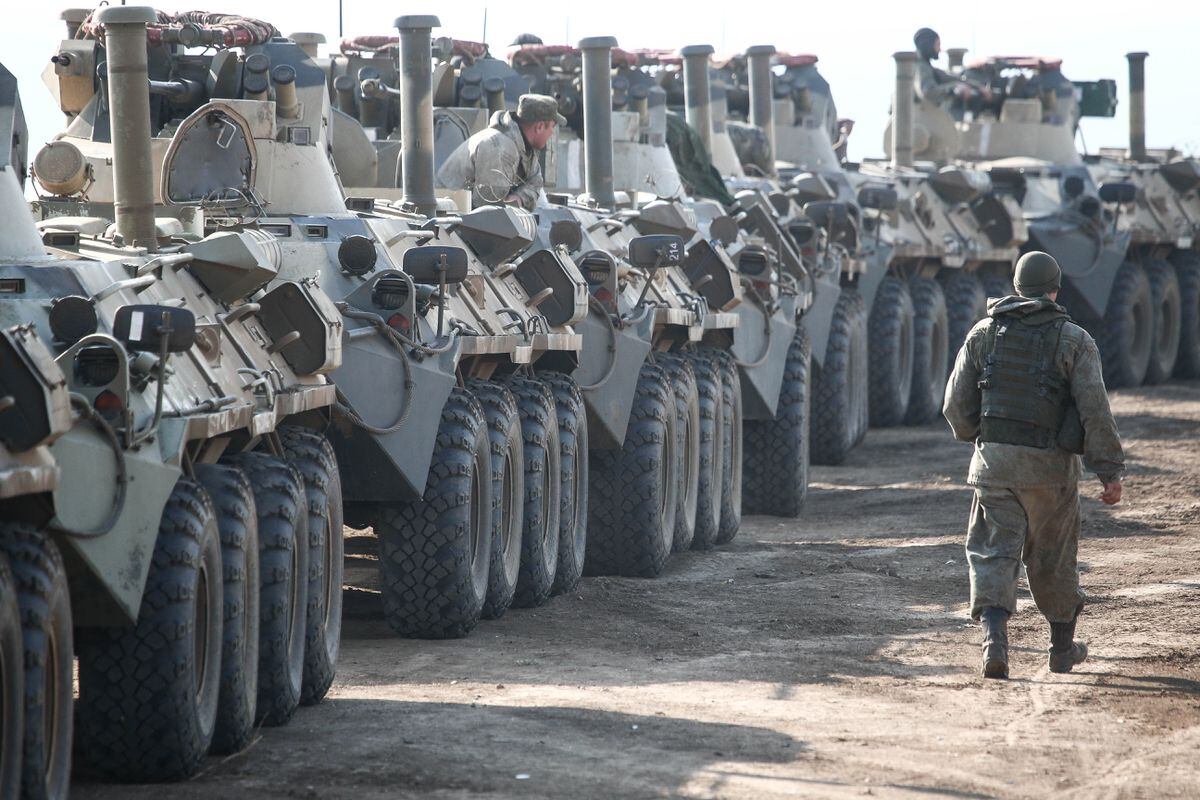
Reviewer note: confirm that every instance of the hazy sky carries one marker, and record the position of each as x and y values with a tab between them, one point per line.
853	38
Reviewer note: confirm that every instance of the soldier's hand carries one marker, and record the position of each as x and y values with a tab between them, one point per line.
1111	494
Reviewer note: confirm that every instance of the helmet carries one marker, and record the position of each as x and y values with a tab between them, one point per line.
1037	274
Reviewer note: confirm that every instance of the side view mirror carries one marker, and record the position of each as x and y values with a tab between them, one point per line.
878	198
146	327
436	264
656	251
1118	192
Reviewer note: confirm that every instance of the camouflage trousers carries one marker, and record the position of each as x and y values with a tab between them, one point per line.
1038	527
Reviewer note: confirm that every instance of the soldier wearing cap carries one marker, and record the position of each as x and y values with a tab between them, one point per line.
500	163
1027	391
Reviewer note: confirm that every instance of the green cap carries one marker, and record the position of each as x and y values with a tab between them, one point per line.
1037	274
539	108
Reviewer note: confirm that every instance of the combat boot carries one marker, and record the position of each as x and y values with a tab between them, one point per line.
995	642
1065	652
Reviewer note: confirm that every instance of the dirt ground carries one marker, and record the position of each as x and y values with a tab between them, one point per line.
827	656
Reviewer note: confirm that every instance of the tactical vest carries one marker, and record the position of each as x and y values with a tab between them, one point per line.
1025	394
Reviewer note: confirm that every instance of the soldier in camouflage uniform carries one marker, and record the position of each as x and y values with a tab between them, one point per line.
1027	391
500	164
935	85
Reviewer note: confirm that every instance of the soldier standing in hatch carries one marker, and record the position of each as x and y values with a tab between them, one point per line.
500	163
1027	390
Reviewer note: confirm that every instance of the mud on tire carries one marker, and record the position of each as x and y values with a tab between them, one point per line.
1126	334
12	684
147	698
280	504
237	524
45	607
435	552
775	459
1166	300
838	389
710	402
573	488
891	353
731	429
1187	271
631	515
508	493
930	351
678	369
540	537
966	304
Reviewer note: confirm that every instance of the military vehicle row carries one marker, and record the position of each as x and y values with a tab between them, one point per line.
1121	223
172	509
265	306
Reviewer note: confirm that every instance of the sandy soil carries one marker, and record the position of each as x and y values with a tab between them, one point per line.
827	656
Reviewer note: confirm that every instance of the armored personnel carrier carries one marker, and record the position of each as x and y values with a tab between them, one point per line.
637	312
186	557
1164	221
1023	137
721	265
933	242
444	315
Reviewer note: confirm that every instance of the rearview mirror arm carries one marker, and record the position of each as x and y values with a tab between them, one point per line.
164	353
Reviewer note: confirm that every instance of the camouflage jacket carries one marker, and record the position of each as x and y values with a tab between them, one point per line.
1014	466
495	163
934	85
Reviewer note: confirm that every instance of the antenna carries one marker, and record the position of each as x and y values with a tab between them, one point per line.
484	39
341	33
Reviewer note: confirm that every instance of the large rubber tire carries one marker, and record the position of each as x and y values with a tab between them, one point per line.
573	488
731	429
775	459
710	402
1187	272
966	304
930	351
543	485
12	684
280	505
631	514
508	493
891	337
237	523
435	552
45	604
836	410
147	703
312	454
860	357
1167	302
997	286
1127	333
678	369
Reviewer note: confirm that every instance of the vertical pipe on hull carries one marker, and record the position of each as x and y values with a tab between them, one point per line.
416	114
1137	105
762	98
902	110
597	118
129	113
696	90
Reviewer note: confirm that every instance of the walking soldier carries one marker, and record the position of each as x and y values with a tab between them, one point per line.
1027	390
